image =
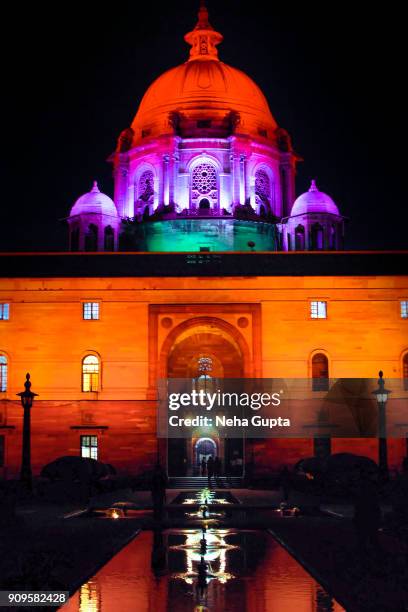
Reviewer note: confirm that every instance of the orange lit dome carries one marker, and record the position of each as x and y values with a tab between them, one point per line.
203	93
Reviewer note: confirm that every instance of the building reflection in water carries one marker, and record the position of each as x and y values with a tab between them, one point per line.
90	597
198	570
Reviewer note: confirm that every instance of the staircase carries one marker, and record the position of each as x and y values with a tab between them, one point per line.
200	482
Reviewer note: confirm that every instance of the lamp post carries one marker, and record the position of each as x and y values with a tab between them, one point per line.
381	394
27	398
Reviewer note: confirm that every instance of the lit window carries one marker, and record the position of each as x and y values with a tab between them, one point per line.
320	372
3	373
4	312
90	373
89	447
318	310
404	309
91	310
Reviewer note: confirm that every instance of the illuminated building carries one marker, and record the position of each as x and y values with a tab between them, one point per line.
96	330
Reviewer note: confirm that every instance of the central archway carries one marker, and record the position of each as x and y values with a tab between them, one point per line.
223	347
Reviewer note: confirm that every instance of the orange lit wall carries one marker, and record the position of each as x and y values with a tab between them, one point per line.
266	320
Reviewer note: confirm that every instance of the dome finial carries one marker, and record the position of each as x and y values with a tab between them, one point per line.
203	39
95	188
313	186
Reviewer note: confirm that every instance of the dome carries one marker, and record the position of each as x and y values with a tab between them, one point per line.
314	201
94	202
203	88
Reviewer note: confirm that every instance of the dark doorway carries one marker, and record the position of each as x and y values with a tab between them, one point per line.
177	457
204	205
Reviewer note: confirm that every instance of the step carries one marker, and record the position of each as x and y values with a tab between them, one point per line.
199	482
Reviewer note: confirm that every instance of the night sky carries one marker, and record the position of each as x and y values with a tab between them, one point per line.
75	73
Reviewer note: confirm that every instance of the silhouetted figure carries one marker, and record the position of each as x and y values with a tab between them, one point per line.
217	467
158	488
202	578
284	481
210	469
367	515
203	467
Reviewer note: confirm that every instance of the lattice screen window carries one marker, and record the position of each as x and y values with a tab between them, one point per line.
146	186
262	185
204	178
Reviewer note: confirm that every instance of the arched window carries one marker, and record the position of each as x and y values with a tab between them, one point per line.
320	372
262	188
90	373
299	238
91	238
145	188
75	239
405	371
109	239
317	241
3	373
204	179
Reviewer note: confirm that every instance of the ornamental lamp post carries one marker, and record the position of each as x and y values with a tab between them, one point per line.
381	394
27	398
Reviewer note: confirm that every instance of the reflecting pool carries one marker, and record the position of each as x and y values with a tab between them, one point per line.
212	234
195	570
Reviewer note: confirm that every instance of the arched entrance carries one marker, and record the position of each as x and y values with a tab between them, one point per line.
204	350
204	448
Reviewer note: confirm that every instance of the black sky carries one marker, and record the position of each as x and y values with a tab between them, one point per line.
73	76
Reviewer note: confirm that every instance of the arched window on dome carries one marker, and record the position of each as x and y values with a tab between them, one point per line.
204	181
145	187
405	371
320	372
90	373
316	237
299	238
262	192
3	373
109	239
74	243
91	238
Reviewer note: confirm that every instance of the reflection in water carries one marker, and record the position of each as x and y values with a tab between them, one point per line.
90	597
197	570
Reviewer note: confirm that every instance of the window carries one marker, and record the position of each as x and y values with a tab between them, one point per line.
109	239
320	372
262	186
90	311
90	373
405	371
204	178
404	309
91	238
3	373
4	312
89	447
299	238
2	450
318	310
145	189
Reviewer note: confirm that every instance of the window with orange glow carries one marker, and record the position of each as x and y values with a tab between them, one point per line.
320	372
90	373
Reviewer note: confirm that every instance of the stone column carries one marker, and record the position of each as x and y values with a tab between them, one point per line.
166	180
